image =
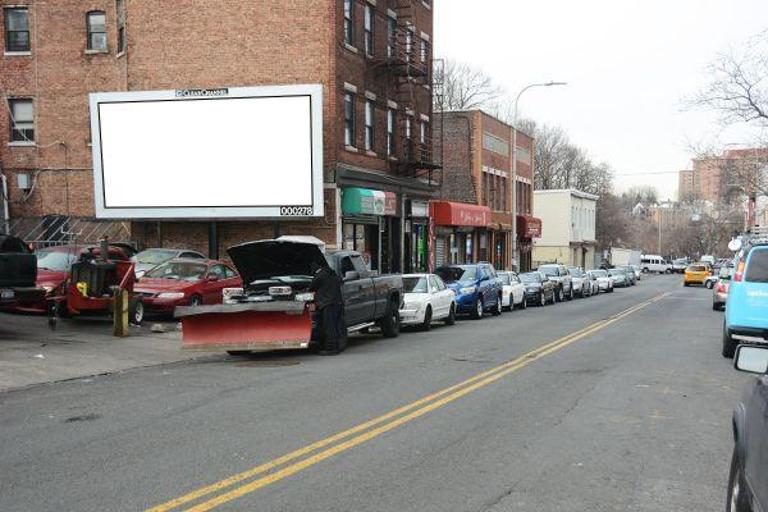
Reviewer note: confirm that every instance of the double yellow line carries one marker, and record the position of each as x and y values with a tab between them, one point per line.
373	428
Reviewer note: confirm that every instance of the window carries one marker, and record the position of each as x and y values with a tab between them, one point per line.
409	43
757	269
408	141
369	125
96	25
495	144
22	120
368	30
424	50
349	119
391	36
390	132
16	29
349	28
121	38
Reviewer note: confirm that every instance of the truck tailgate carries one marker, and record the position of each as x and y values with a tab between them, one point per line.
259	326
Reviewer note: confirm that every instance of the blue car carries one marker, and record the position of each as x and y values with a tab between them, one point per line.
477	287
746	308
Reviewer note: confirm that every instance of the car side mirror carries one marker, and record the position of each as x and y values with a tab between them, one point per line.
351	275
212	278
751	358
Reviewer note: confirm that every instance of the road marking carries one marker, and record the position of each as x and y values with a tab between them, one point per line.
398	417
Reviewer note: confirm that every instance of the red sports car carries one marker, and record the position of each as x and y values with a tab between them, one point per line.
184	282
53	265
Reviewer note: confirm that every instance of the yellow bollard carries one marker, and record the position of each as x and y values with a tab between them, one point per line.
120	314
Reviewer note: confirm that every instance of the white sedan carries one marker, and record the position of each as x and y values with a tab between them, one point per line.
426	298
513	291
604	281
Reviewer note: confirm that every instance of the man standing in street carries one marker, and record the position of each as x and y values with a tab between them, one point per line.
330	310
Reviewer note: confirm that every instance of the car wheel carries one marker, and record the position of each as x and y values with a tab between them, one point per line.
709	285
498	309
729	344
686	284
427	323
523	303
390	324
570	294
560	296
477	309
451	319
715	306
542	300
196	300
737	499
610	290
136	312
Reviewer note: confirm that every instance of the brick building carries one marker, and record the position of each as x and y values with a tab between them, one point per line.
372	57
685	185
475	214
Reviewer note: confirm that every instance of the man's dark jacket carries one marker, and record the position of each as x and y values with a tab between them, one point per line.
327	287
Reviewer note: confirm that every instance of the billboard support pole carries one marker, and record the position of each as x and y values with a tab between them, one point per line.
213	240
276	229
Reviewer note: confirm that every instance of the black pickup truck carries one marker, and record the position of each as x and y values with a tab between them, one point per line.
272	309
18	273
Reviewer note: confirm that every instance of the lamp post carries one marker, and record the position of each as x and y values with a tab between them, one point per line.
515	256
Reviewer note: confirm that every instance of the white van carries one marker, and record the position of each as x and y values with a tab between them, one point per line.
654	263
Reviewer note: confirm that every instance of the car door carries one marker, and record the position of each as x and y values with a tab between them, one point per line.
750	296
214	284
756	452
436	298
518	290
373	301
486	286
352	290
446	295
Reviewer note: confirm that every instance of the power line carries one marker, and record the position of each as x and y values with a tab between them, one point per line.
644	173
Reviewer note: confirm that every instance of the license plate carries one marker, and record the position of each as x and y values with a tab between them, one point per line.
7	293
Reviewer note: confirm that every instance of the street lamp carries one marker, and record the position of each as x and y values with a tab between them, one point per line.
515	256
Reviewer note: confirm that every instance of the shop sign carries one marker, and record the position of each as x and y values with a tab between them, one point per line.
447	213
419	209
363	201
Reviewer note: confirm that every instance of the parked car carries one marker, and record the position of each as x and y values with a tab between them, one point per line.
558	273
478	289
618	278
637	271
18	273
654	263
53	268
630	272
185	282
539	289
604	280
581	282
426	298
513	290
747	488
696	273
746	307
720	289
150	258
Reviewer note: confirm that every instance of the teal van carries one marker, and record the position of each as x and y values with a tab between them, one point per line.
746	308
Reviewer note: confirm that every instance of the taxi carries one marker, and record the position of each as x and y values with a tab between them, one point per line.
696	273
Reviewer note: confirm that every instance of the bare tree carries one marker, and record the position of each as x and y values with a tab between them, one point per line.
466	87
738	89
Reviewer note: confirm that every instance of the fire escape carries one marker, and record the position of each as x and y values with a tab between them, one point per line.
414	75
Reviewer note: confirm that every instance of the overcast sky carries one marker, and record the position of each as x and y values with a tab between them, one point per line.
629	64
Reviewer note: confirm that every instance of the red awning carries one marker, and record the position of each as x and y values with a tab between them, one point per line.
447	213
528	226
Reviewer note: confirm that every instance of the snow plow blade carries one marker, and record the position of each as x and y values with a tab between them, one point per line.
256	327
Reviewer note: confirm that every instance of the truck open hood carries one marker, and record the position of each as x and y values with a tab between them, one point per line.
264	259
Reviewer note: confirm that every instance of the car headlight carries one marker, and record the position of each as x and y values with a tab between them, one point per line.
48	289
304	297
467	290
171	295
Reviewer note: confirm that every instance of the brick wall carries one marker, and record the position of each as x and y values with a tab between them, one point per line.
459	184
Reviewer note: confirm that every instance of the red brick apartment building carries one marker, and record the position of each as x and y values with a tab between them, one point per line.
475	214
372	57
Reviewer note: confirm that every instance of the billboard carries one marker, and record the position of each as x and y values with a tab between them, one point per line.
221	153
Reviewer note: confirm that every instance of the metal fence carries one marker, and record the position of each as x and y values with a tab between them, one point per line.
51	230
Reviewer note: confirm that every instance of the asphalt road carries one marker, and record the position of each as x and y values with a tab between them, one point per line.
629	409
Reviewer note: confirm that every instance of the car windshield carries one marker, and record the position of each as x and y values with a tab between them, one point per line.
415	284
504	278
181	270
576	272
155	256
616	272
59	261
452	274
697	268
757	270
598	273
530	277
550	271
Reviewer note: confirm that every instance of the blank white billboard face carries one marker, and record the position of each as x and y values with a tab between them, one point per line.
240	155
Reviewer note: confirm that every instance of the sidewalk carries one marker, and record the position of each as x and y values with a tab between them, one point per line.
31	353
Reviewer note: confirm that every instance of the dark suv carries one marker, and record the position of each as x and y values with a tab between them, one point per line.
559	274
747	484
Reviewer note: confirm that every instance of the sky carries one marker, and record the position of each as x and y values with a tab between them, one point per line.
631	67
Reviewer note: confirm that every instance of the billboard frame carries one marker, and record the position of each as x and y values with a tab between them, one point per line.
315	209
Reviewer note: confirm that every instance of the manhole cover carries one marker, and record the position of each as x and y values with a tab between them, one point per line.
268	363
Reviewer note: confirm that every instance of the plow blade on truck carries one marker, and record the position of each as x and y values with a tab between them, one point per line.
256	327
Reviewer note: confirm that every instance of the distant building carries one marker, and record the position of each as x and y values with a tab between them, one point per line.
685	185
569	216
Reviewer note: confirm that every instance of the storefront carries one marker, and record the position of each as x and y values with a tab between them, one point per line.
417	236
501	240
461	233
370	224
528	228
